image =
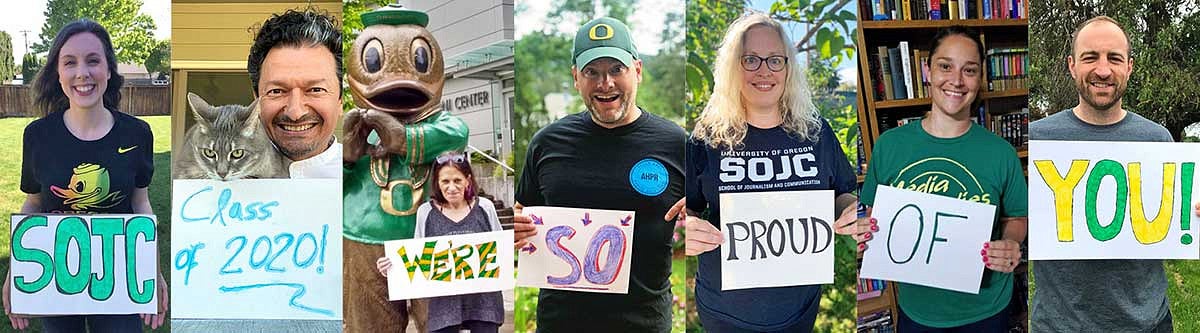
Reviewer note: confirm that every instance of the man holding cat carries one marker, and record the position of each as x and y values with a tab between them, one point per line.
295	70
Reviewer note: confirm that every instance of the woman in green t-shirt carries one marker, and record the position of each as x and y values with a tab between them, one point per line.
948	154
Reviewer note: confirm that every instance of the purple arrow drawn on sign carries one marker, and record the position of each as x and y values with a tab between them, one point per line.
625	221
587	218
535	218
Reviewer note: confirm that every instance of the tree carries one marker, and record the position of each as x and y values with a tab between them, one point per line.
8	67
131	32
1164	37
30	65
159	59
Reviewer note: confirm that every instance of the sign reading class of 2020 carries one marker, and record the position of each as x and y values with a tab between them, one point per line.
586	250
96	264
770	234
927	239
1112	200
450	265
253	249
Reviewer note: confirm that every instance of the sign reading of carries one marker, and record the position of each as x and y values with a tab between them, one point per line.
928	239
770	234
1111	200
256	249
450	265
94	264
602	238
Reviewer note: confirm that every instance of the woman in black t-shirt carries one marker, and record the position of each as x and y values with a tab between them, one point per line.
455	209
84	157
759	116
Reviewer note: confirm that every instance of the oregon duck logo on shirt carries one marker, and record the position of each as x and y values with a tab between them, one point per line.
88	189
944	176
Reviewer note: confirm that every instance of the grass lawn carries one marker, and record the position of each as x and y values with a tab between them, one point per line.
526	302
11	196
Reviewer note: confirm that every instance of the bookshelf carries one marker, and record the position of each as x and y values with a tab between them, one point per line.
1002	98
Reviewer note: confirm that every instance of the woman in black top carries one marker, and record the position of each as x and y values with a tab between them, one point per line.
84	157
454	209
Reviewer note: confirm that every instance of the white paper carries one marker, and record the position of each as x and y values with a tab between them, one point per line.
578	249
776	239
454	265
928	239
272	249
1149	228
34	238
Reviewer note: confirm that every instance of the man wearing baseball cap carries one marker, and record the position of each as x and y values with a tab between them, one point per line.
612	156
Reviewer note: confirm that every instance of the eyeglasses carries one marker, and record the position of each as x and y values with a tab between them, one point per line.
615	71
457	158
774	63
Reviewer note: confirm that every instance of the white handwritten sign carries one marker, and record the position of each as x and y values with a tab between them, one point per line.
1112	200
450	265
257	249
770	234
928	239
96	264
578	249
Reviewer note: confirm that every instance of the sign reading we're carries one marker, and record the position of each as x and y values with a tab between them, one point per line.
450	265
93	264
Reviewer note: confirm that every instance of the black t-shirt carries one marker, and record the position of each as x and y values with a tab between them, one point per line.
576	163
74	176
819	165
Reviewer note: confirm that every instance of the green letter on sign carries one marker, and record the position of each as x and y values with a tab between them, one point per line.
72	228
144	226
24	254
107	228
1102	169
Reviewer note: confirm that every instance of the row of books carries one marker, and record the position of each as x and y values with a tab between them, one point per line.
907	10
902	72
899	73
1008	68
870	288
1012	127
877	322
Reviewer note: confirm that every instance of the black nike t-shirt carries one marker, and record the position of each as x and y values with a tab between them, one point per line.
576	163
74	176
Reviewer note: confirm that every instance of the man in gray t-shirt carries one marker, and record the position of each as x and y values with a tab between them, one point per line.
1099	295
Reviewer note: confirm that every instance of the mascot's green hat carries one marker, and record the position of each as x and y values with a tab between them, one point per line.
394	14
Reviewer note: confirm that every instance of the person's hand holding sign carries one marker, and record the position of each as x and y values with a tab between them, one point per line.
700	235
19	322
1001	255
522	227
864	229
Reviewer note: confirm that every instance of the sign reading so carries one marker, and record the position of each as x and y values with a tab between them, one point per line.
578	249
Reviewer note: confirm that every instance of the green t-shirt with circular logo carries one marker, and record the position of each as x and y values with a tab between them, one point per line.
976	166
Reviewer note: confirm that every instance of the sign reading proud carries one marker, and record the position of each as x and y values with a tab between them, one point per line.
770	234
257	249
1112	200
94	264
928	239
578	249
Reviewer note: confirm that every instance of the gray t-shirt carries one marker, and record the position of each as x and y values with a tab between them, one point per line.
1098	295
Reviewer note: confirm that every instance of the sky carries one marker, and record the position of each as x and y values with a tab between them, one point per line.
649	13
28	15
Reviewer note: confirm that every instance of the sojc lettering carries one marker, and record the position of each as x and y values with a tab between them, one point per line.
99	285
777	237
736	169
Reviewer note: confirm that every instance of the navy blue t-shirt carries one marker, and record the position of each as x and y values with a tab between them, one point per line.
824	167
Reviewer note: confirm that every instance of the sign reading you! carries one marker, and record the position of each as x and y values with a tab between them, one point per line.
578	249
95	264
450	265
257	249
770	234
1112	200
928	239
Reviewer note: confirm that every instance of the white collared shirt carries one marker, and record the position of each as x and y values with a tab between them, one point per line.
327	164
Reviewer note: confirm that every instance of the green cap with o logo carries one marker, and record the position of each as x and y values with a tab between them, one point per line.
394	14
603	37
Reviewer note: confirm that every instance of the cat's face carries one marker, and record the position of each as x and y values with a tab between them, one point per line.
229	142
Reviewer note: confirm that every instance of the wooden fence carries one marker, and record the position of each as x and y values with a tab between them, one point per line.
17	101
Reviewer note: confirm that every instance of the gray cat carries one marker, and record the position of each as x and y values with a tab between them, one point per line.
228	142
